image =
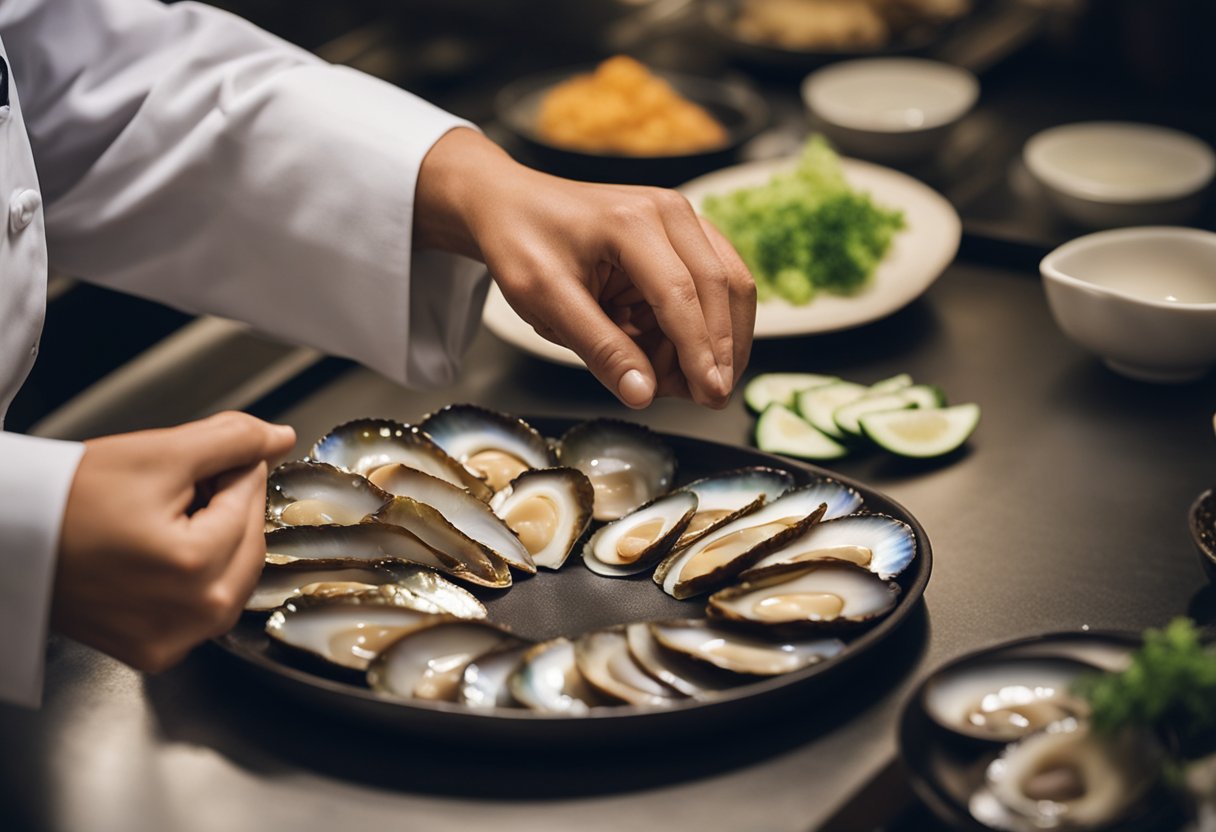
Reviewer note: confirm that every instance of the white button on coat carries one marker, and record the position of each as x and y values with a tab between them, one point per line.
22	209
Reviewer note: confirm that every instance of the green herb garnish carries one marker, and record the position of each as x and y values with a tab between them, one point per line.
1171	684
806	230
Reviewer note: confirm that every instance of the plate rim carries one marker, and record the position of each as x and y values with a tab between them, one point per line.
510	718
505	323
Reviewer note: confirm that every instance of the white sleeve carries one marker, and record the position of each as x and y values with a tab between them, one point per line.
189	157
35	478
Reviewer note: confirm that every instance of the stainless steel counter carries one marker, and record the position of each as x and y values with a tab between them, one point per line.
1066	511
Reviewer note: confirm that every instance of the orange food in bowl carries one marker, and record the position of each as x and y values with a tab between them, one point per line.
623	108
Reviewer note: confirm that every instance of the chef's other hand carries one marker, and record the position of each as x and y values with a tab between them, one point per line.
162	540
651	297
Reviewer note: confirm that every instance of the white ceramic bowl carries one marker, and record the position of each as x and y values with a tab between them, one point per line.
1144	299
889	109
1110	173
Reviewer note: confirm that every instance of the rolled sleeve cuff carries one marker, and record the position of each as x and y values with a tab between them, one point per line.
35	479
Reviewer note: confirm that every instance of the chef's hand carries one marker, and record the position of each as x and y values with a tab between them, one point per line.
162	540
651	297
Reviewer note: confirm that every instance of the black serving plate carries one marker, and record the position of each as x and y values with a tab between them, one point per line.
572	601
945	769
737	106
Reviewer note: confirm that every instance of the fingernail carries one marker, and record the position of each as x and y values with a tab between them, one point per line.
635	389
716	380
285	431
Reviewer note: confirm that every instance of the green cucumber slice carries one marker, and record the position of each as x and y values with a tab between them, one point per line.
847	416
767	388
780	430
924	395
918	395
819	403
922	432
890	385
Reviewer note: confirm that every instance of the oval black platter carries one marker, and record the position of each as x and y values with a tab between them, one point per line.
574	600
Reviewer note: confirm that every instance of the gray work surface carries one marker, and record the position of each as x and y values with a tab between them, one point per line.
1066	511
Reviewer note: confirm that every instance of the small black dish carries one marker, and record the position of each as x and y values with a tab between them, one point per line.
945	770
737	106
1203	530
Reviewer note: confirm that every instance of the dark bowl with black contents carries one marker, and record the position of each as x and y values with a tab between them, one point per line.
1203	530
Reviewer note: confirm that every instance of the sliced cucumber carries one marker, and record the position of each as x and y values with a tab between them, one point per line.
922	432
847	416
918	395
780	430
767	388
924	395
890	385
819	403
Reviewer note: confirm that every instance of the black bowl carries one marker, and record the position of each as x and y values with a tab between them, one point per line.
735	104
720	16
1203	530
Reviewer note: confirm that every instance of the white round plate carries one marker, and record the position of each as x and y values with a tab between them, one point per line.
918	255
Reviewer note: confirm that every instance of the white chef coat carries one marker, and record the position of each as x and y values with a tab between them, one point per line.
179	153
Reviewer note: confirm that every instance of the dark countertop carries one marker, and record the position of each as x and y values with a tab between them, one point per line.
1067	510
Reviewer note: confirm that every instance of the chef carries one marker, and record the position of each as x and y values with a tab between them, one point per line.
178	153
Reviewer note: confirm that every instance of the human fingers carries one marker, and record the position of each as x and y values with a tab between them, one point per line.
645	253
215	532
230	440
575	320
710	275
230	591
671	381
209	594
640	324
138	581
742	288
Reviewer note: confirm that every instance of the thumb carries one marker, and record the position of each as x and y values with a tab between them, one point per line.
612	356
223	521
230	440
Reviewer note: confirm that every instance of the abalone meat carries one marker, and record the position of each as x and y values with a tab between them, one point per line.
628	465
548	510
494	446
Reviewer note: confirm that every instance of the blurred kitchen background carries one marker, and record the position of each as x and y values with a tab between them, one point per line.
110	362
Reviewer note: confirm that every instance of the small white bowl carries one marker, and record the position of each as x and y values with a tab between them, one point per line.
1144	299
889	109
1103	174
